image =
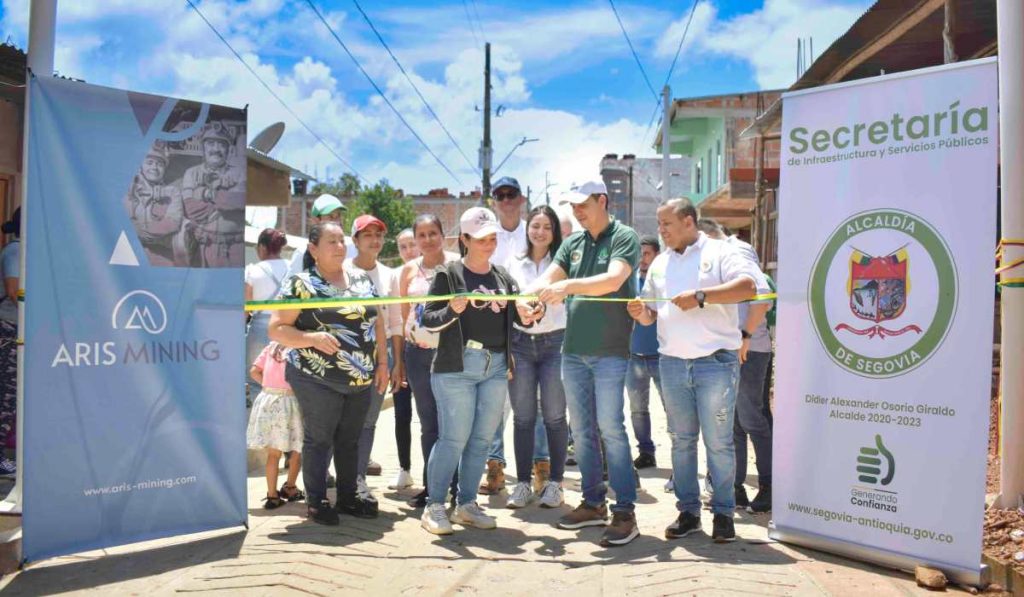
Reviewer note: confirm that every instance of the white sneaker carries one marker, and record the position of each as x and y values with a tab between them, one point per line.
403	480
362	489
669	486
435	520
471	515
551	496
520	496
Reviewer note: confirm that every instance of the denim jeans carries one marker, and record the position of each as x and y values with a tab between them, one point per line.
469	405
750	419
700	398
370	426
538	359
642	370
540	437
332	418
403	426
256	340
594	395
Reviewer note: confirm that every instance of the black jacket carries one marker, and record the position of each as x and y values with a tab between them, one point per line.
438	316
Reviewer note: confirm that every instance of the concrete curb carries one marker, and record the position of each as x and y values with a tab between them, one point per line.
1004	574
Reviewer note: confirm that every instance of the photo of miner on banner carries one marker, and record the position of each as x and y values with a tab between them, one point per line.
187	202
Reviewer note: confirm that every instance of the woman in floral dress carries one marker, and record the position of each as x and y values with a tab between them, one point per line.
335	361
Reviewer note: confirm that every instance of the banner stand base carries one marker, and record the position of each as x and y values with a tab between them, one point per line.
979	577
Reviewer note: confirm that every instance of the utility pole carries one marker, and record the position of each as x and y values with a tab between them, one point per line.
666	124
547	195
485	148
1010	27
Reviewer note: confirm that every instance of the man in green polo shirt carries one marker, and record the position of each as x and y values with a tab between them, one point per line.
598	262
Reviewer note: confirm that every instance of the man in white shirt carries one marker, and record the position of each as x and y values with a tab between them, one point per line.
698	281
508	204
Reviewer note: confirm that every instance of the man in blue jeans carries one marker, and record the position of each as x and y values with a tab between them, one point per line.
755	356
598	262
643	368
697	284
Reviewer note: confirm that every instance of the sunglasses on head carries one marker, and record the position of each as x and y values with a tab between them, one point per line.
505	196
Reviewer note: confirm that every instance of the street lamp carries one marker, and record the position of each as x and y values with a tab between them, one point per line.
511	151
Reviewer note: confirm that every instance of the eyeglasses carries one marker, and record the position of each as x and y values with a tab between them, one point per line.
506	196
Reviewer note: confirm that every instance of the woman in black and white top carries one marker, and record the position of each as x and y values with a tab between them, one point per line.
470	370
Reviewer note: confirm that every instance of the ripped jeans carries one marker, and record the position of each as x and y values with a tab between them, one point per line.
700	398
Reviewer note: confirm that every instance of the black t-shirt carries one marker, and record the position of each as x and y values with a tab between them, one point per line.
484	321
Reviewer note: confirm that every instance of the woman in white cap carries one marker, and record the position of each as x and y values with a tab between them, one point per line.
470	370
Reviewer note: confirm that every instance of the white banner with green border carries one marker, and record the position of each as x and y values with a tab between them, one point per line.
887	234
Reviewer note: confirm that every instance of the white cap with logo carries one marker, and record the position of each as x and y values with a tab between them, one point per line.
478	222
584	191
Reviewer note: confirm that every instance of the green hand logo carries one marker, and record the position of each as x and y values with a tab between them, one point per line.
869	463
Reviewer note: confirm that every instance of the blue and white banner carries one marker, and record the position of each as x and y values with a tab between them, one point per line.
134	415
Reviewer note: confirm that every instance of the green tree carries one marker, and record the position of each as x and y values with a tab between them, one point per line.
385	202
346	186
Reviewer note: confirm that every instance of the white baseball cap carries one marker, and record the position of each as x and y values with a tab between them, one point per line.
325	204
584	191
478	222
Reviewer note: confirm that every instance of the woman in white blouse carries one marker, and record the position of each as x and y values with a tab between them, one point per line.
538	356
263	281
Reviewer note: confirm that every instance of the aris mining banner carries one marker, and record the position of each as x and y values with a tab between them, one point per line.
134	416
887	230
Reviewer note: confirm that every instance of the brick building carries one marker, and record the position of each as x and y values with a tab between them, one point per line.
723	165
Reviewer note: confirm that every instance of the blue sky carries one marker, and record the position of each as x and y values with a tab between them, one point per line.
562	70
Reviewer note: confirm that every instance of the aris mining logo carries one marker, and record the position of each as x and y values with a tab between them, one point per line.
139	310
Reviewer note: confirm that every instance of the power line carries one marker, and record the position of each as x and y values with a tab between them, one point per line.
479	22
672	68
271	91
633	50
380	38
469	20
381	91
681	40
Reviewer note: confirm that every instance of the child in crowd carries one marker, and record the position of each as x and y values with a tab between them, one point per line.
275	424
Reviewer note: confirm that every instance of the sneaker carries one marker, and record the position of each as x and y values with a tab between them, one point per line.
570	456
495	478
551	496
742	501
362	489
645	460
584	516
669	486
520	496
470	515
684	525
373	469
723	530
403	480
762	503
7	468
541	474
435	520
621	531
418	501
322	513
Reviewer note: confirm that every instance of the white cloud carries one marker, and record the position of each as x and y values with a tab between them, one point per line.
765	38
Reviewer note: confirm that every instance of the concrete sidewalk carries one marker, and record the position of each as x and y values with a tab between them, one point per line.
283	554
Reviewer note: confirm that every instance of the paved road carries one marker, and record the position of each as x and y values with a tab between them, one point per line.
282	554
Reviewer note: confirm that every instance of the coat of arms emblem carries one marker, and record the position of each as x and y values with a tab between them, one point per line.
878	289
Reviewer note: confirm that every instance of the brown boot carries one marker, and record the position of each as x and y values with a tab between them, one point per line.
541	475
495	478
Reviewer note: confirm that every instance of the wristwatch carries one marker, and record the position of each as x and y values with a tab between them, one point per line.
746	335
699	295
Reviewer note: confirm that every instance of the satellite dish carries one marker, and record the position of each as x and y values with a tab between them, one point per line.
266	140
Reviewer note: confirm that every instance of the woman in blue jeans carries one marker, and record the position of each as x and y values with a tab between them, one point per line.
470	371
537	351
421	343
